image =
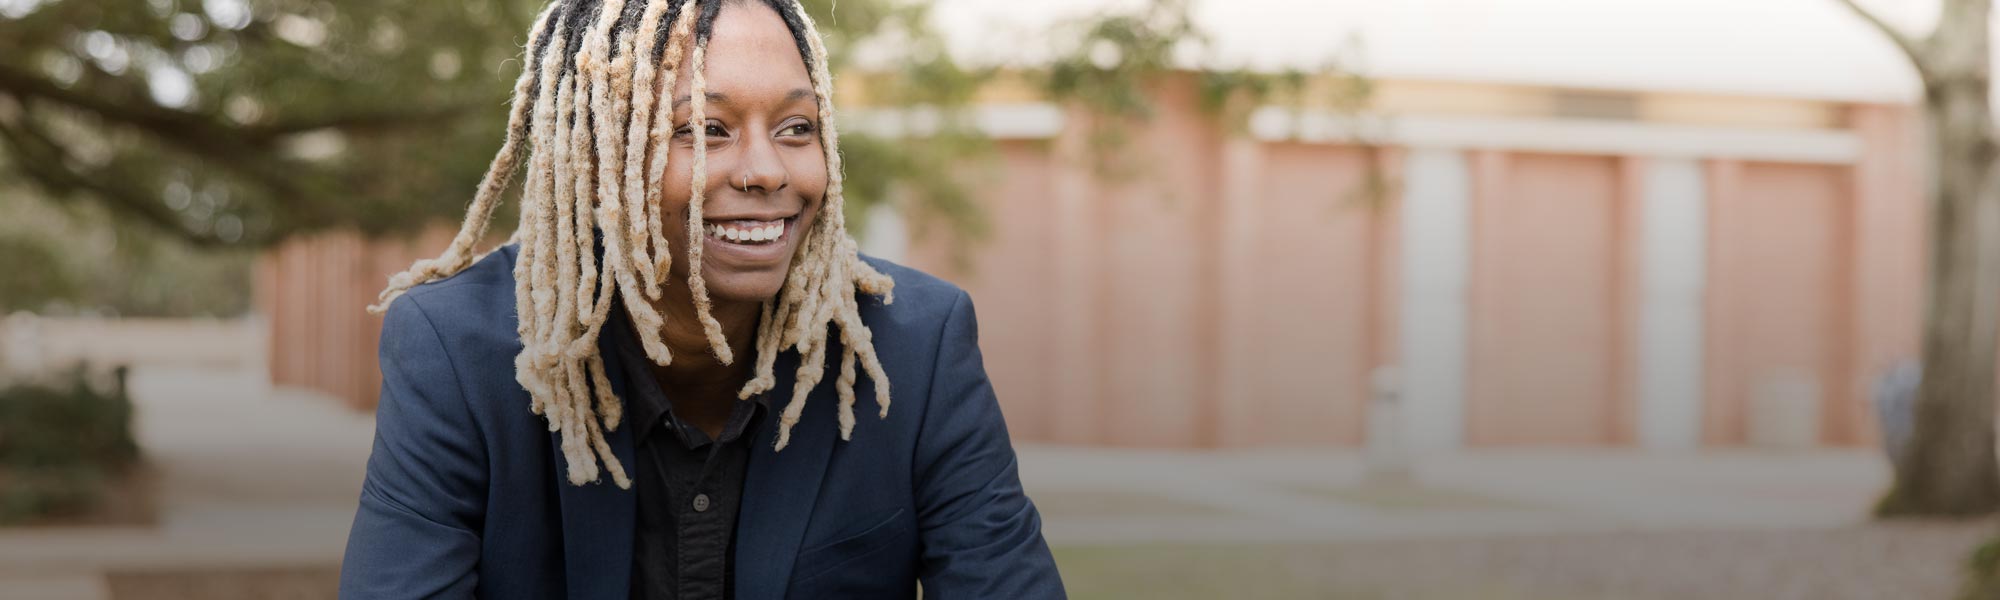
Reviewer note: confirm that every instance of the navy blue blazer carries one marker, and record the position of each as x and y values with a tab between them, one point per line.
465	494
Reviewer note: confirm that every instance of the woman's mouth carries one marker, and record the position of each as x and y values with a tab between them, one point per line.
747	232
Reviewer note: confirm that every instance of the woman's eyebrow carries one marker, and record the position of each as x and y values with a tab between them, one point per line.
720	98
713	98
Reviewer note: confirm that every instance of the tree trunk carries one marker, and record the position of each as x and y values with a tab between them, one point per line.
1950	468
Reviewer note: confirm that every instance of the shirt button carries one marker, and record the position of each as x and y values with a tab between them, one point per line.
701	502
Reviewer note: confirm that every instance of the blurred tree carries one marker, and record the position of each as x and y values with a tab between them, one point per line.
33	277
81	260
1108	64
1950	467
924	171
237	123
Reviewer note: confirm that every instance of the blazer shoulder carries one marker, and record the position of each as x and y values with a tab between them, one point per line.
479	297
921	301
471	313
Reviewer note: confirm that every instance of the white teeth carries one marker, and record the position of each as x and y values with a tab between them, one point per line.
752	234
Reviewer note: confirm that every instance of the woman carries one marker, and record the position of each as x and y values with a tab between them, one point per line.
664	317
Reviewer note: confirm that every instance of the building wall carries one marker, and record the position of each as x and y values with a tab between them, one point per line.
1548	312
1017	336
314	293
1778	317
1607	297
1306	341
1527	281
1223	293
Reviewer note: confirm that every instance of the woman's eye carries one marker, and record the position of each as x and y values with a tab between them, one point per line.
712	130
799	129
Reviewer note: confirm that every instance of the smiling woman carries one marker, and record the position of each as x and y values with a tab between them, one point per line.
762	135
704	126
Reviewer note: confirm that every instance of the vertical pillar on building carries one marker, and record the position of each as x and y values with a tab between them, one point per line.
1241	189
888	236
1673	243
1435	251
1081	411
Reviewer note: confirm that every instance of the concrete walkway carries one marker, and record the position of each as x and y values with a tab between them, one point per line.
1116	496
257	480
250	478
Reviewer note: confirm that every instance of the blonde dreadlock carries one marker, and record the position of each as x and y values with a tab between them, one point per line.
589	109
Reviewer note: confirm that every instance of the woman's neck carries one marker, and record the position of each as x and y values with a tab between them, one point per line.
695	371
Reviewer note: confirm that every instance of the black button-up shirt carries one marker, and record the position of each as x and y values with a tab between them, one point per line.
689	486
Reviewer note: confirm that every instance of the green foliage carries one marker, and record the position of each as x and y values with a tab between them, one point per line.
240	122
1109	66
78	259
61	443
245	121
1335	88
1106	67
33	277
1117	58
1982	573
927	171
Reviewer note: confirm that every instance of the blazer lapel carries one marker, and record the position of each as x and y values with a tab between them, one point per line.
781	487
597	518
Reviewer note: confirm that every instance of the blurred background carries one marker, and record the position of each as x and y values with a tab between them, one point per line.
1282	298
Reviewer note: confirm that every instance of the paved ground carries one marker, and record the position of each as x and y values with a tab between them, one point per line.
1905	561
251	478
1108	496
1520	525
259	487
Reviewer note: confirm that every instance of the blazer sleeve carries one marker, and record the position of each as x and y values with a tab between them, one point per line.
416	534
982	537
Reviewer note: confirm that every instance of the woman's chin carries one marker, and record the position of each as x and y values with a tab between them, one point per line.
751	287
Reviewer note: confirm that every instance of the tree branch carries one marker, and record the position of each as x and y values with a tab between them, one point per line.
248	150
143	114
358	121
1913	48
41	160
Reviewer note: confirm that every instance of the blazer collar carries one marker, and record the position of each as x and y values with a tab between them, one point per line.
781	486
597	518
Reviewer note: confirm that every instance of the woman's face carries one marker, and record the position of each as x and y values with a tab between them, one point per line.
766	171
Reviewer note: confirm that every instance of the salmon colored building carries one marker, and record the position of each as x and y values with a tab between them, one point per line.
1560	260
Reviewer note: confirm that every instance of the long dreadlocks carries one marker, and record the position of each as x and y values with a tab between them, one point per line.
594	159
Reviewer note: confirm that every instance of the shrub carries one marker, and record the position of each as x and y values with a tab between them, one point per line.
62	442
